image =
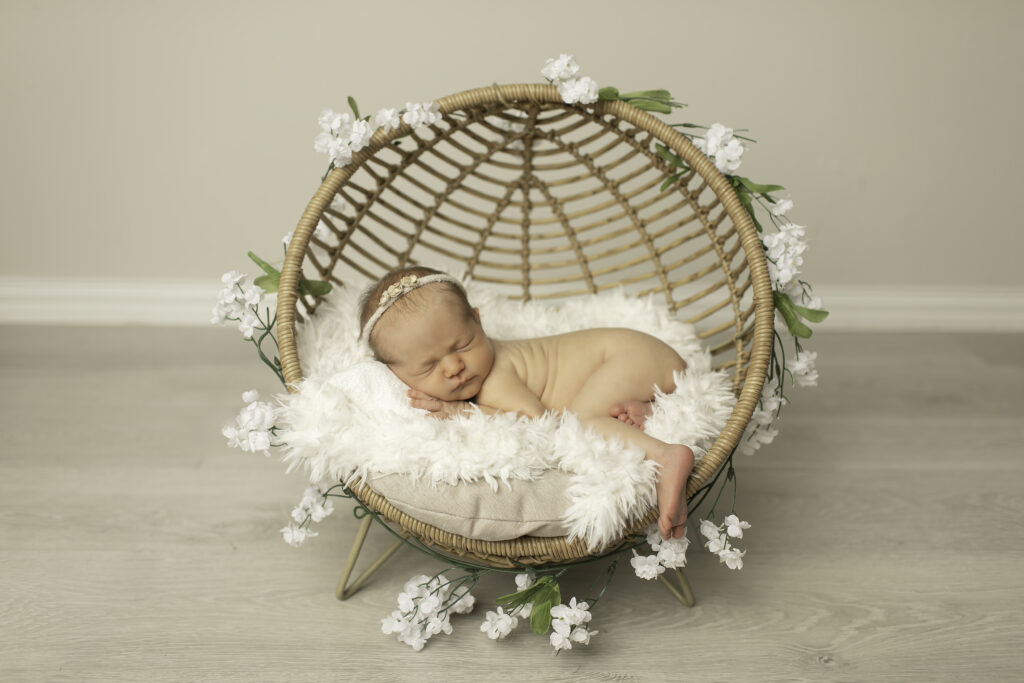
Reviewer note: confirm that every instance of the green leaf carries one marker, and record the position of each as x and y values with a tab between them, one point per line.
522	597
267	268
268	283
785	306
608	93
815	315
660	95
352	105
758	189
540	614
670	156
314	287
651	105
671	179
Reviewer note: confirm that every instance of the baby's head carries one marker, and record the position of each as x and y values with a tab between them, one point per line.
419	322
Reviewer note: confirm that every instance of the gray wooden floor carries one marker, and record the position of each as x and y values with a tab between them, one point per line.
886	543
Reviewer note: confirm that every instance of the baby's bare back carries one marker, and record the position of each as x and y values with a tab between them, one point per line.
627	364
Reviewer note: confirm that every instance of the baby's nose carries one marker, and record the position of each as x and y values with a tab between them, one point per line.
453	365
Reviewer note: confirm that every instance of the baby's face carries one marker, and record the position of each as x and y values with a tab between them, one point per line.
436	350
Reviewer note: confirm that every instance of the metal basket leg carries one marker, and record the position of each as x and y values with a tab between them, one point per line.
344	591
682	589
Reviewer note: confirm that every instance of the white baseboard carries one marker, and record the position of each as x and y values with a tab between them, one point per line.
26	300
51	301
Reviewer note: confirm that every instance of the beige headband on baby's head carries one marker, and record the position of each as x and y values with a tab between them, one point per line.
399	289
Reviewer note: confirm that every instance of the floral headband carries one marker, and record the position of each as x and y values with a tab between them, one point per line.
399	289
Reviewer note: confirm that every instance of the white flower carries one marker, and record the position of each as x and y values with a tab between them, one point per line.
574	613
251	396
559	638
464	605
756	436
498	624
296	536
359	136
782	206
334	123
322	143
417	584
313	504
672	552
387	119
437	625
732	558
231	278
734	527
728	158
407	601
583	90
785	249
714	137
414	638
581	635
803	368
233	435
646	567
258	441
524	581
429	604
654	538
321	509
421	114
395	623
561	69
257	415
719	144
718	545
709	529
253	295
230	300
340	152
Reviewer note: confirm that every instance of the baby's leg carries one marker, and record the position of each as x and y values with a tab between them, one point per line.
625	376
675	463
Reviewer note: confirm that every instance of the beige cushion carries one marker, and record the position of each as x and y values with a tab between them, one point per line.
473	510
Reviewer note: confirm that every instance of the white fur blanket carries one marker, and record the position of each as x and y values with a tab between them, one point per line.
351	417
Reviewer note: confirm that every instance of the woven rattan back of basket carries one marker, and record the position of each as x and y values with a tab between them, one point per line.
546	200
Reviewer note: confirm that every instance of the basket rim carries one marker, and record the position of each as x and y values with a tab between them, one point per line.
509	96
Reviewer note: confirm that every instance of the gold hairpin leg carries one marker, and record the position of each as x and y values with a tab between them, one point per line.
345	591
682	589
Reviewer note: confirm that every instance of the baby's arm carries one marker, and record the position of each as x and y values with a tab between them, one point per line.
503	392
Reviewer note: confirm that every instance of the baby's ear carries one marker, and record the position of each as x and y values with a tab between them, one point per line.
476	314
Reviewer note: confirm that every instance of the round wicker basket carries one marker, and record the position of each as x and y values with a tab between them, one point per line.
544	200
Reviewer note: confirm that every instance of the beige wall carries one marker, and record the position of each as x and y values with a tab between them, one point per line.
163	139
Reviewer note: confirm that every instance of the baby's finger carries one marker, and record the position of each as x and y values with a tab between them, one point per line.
431	404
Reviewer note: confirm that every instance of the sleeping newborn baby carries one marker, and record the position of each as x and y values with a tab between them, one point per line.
419	323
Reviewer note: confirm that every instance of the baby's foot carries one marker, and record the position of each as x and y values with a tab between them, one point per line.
676	463
633	413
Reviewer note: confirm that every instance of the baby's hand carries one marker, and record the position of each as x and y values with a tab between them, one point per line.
442	410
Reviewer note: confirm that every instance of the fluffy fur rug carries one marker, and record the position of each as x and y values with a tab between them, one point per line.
351	417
